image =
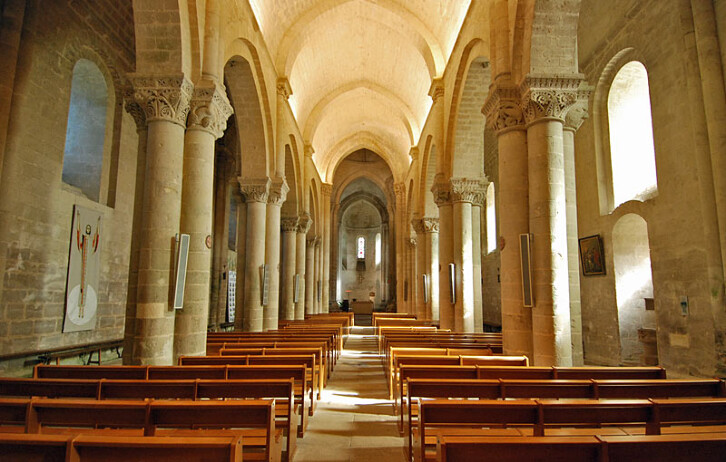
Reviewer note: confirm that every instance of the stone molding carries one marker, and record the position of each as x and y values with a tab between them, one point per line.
163	97
399	189
436	91
548	97
254	190
430	224
209	109
289	224
502	108
315	241
278	191
304	223
283	88
414	153
466	190
134	108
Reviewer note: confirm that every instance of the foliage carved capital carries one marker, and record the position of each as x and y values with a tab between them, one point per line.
209	109
548	97
163	97
255	190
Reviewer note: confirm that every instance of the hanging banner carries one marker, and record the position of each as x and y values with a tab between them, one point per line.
83	271
231	294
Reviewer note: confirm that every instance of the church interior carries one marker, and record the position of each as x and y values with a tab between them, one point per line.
531	184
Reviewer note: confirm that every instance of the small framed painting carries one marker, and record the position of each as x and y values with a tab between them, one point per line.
592	256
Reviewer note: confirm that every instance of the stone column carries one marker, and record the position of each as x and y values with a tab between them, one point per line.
327	191
317	286
165	101
256	193
289	256
422	306
504	114
415	299
476	210
301	264
575	116
399	230
546	102
241	264
442	196
130	322
278	193
463	194
310	276
207	121
430	227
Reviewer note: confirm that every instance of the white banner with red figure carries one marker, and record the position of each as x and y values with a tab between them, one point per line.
83	271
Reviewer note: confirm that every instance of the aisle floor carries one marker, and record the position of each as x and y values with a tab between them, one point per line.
354	420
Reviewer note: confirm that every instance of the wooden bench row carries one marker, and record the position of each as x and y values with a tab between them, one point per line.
297	370
661	448
420	390
440	418
291	412
420	367
254	420
108	448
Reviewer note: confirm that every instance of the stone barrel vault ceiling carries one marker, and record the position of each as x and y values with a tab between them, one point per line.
360	70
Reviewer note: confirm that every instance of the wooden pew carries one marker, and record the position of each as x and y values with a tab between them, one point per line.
519	449
93	448
13	414
51	388
89	372
282	391
23	447
664	448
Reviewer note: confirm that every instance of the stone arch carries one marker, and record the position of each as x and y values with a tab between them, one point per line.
601	125
245	53
290	207
253	148
426	202
363	140
172	55
298	173
457	162
315	227
633	286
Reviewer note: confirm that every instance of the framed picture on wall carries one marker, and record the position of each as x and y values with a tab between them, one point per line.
592	255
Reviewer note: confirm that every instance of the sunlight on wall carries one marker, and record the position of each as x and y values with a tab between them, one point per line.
378	249
491	220
632	151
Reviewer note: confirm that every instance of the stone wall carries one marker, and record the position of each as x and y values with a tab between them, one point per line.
652	33
36	207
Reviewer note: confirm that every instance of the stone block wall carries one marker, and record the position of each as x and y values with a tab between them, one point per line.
36	207
651	32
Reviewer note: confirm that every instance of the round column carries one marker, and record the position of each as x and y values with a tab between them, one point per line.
255	193
310	276
463	193
442	197
288	226
431	246
327	191
301	264
207	121
278	192
165	101
476	262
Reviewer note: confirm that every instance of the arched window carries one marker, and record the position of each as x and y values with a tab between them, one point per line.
632	153
378	249
361	247
86	130
491	216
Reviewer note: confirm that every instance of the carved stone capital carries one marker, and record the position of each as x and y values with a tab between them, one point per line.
308	150
163	97
502	108
304	222
545	97
430	224
436	91
254	190
327	190
209	109
441	189
278	191
135	109
578	113
283	87
399	189
414	153
412	242
466	190
417	225
289	224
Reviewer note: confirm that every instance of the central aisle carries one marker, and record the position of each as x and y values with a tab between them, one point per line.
354	420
